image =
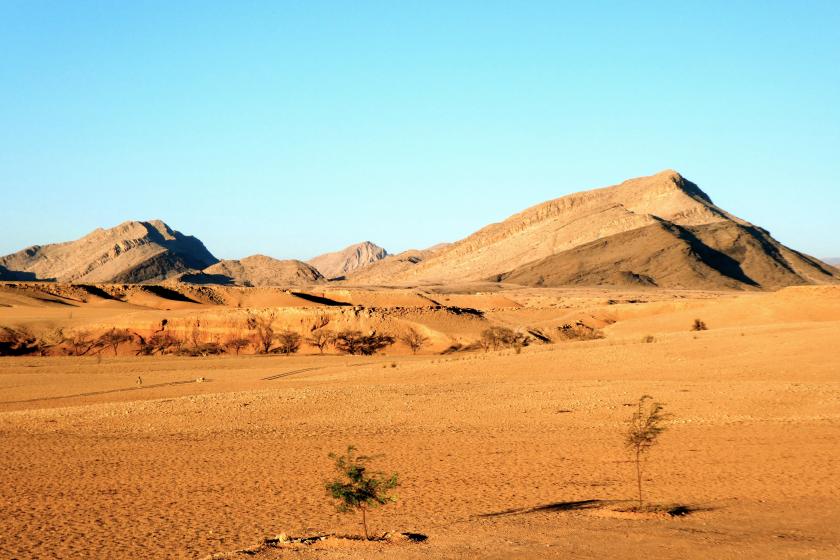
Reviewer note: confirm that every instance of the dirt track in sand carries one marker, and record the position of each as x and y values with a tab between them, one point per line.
492	448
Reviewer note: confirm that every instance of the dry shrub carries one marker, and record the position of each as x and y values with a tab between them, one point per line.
357	343
17	342
288	342
699	326
113	339
321	339
578	331
413	339
159	343
496	338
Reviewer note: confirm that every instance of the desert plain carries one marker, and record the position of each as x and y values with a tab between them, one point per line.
500	453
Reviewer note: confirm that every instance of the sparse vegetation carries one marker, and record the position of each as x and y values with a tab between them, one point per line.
114	338
237	342
17	342
263	327
78	343
413	339
357	488
579	331
643	431
202	349
358	343
288	342
648	339
496	338
321	339
699	326
161	342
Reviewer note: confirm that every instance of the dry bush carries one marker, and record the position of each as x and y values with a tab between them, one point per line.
578	331
161	343
17	342
454	347
202	349
699	325
263	327
288	342
195	332
236	341
114	338
413	339
648	339
357	343
78	343
502	337
321	339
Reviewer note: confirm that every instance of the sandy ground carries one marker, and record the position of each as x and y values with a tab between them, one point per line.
495	451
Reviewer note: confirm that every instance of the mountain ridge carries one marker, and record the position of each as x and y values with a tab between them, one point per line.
339	264
133	251
557	226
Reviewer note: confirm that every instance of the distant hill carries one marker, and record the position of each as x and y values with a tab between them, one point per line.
833	262
131	252
355	257
661	230
257	270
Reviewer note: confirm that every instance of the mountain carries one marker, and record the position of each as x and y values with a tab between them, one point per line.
392	266
257	270
833	262
342	263
661	230
131	252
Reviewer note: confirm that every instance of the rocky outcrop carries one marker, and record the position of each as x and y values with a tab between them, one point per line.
130	252
258	270
351	259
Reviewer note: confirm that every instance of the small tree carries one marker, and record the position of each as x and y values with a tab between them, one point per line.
195	332
159	343
502	337
357	343
699	325
288	342
79	343
114	338
643	431
413	339
237	343
321	339
358	489
263	327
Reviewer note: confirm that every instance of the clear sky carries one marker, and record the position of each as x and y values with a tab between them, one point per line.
294	128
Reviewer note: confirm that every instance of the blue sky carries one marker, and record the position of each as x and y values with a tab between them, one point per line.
293	128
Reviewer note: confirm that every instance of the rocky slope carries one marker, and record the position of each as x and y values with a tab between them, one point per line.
660	230
342	263
131	252
258	270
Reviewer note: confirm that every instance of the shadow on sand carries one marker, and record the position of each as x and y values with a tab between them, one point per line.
557	506
622	506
